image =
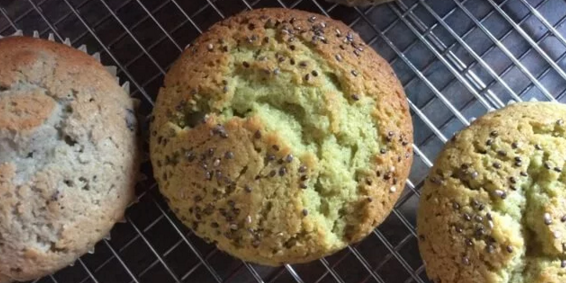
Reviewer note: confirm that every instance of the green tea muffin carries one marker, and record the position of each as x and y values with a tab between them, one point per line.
494	206
67	156
281	137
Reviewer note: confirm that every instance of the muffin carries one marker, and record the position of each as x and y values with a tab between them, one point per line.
494	206
281	137
359	2
67	155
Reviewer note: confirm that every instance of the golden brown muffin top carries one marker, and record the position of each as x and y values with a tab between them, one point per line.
494	206
280	136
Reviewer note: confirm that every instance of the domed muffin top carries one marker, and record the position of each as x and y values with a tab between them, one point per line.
68	155
494	206
281	136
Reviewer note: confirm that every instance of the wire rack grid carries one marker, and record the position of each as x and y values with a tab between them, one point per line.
457	60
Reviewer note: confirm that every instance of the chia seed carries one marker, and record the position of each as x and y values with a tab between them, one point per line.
501	194
547	218
289	158
455	205
190	156
480	232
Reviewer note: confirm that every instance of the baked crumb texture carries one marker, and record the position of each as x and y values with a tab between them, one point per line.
494	206
281	137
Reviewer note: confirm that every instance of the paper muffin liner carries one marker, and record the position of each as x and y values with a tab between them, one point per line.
113	70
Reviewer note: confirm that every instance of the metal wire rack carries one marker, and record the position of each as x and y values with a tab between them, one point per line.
457	60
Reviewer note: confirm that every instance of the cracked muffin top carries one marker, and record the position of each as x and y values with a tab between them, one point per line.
494	206
281	137
67	155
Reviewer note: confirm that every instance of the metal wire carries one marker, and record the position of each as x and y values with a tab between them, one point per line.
419	26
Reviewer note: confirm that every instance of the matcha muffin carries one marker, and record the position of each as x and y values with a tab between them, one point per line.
67	156
281	137
494	206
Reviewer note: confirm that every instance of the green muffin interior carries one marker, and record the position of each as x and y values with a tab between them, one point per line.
303	114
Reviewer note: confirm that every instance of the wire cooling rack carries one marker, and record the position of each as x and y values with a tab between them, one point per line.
457	59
